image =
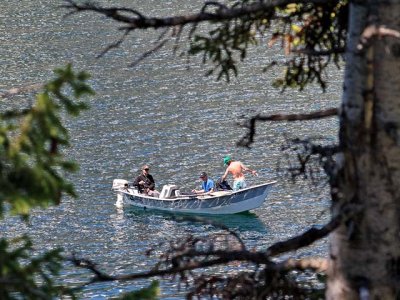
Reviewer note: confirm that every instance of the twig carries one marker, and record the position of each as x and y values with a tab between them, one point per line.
112	12
148	53
177	32
213	223
114	45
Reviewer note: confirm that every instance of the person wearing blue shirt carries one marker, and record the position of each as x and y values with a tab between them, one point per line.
207	185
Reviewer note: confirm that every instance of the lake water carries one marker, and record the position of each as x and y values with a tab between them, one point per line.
160	113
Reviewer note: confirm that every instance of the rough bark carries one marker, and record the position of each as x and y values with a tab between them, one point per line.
365	251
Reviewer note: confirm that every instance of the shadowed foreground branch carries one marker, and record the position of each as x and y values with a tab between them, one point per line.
248	139
189	259
138	21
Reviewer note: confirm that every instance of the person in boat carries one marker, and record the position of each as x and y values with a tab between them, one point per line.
207	184
237	169
145	182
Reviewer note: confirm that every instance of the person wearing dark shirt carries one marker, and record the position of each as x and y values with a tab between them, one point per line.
145	182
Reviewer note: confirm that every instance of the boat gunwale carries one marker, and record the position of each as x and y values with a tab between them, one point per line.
197	197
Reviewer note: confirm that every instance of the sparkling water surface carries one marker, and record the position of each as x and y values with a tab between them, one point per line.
164	113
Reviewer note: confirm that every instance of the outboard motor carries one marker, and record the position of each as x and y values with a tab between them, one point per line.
119	184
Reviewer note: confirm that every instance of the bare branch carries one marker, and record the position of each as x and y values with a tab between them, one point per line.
321	114
220	257
87	264
305	157
248	139
225	257
305	239
109	12
313	234
139	21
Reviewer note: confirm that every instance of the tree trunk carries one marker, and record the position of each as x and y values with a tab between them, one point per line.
365	250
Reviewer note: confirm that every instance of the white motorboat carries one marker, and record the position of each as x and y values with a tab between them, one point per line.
172	200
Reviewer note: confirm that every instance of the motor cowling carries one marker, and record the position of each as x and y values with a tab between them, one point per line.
119	184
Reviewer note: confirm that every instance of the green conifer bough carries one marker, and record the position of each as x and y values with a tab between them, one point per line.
32	169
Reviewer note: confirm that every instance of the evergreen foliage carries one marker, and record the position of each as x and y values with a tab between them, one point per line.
32	174
314	32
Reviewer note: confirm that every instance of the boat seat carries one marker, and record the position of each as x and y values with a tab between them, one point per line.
220	193
170	191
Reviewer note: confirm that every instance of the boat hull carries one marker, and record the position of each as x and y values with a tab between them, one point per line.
226	202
